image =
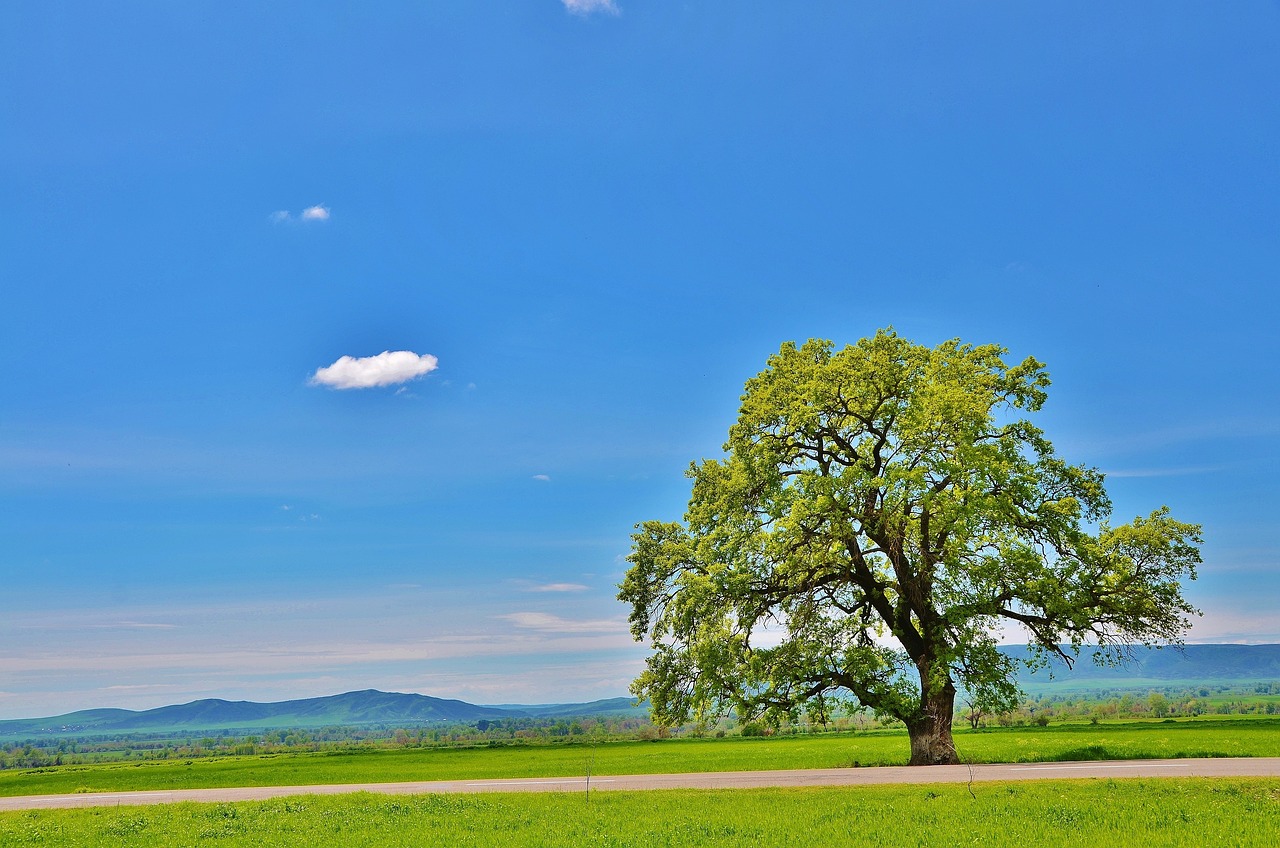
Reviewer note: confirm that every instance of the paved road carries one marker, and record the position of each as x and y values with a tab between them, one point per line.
1221	767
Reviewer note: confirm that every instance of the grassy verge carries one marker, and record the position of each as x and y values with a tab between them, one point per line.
1056	813
1137	740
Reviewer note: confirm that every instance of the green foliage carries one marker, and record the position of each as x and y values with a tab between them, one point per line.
1055	813
879	512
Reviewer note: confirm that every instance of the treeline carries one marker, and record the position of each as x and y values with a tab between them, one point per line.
1104	705
83	750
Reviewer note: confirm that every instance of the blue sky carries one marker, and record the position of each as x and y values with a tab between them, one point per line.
599	219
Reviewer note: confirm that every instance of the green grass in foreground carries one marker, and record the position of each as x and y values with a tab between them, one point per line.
1122	740
1054	813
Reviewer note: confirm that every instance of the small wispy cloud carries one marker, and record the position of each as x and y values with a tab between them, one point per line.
1231	626
1163	472
1218	431
388	368
591	7
318	212
544	622
545	478
559	587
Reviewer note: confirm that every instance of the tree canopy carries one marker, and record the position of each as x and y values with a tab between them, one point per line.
882	514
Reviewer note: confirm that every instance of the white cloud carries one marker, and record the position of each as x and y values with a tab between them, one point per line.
318	212
546	623
588	7
560	587
386	369
1230	626
545	478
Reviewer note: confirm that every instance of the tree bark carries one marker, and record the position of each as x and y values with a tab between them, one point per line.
930	732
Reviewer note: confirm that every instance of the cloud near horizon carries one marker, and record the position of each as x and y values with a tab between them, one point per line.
546	623
388	368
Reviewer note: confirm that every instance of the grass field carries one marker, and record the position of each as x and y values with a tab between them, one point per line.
1259	737
1054	813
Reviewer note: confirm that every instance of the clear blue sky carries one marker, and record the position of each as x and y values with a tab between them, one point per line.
600	222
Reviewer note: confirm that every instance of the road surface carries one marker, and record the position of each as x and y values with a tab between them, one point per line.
1218	767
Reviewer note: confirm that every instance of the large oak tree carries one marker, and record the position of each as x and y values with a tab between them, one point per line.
883	513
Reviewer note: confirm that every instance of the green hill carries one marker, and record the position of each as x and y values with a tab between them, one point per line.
368	707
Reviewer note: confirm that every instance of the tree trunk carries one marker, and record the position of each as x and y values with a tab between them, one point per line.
931	743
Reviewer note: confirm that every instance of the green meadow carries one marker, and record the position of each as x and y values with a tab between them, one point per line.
1053	813
1217	737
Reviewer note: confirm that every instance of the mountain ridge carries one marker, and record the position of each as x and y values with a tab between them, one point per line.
360	707
1201	664
1166	665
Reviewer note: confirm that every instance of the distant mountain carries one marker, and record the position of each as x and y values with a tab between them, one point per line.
609	706
1148	667
1165	666
349	709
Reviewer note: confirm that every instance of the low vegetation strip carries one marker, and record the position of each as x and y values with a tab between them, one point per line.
1152	813
1257	737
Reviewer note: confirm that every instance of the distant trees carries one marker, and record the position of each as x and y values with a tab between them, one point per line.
974	712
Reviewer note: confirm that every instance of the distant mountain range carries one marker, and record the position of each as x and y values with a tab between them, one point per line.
1162	666
368	707
1149	667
